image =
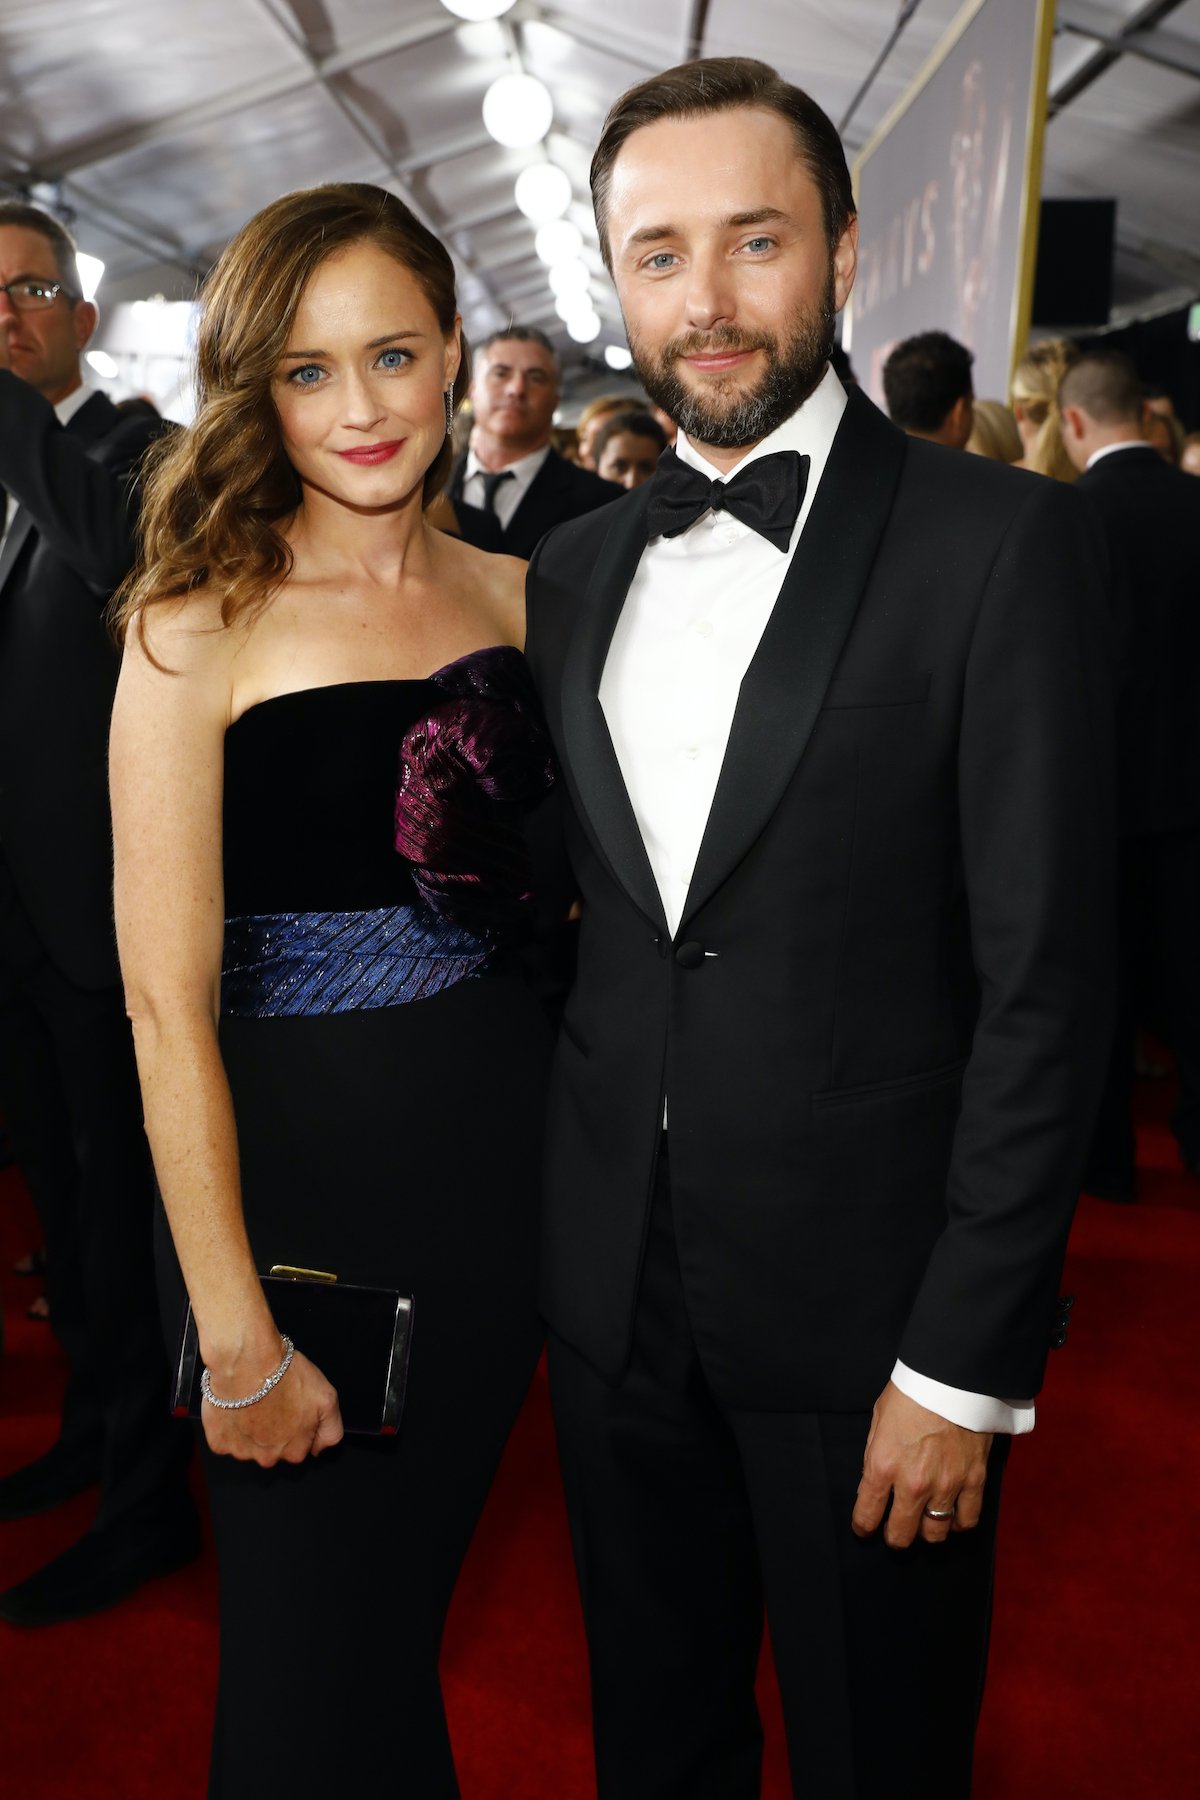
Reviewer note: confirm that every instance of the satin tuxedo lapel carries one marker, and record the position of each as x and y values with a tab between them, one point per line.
591	758
785	684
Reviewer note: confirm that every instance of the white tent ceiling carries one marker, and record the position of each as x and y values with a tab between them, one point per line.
162	124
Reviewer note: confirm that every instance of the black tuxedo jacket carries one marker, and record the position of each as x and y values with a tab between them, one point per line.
881	1026
1149	512
560	490
69	547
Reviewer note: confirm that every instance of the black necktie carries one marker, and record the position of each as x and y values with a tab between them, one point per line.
490	484
766	496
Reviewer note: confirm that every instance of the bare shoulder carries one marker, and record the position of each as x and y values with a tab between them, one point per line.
498	585
180	654
508	575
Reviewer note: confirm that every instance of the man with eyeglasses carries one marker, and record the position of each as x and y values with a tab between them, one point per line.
68	1087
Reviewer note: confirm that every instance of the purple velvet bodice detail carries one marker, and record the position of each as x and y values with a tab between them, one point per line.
374	843
470	766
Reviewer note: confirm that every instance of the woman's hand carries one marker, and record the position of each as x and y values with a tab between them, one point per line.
300	1417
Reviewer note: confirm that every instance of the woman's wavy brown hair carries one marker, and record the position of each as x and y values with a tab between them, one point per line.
218	493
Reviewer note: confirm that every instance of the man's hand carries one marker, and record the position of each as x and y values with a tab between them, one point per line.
920	1460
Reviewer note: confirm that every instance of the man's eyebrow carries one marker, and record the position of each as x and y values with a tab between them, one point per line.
48	280
758	215
650	234
393	337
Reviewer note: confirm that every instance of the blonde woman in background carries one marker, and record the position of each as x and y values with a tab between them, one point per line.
1035	407
994	432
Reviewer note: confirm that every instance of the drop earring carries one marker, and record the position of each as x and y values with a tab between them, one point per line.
448	397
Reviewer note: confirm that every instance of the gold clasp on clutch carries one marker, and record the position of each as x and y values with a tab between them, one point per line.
291	1274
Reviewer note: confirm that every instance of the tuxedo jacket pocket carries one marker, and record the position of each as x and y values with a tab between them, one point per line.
856	690
899	1089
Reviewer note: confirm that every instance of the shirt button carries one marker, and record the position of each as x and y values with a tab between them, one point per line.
691	752
703	628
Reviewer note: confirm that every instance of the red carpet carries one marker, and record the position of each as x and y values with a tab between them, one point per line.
1091	1693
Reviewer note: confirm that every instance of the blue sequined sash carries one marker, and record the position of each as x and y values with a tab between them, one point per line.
278	965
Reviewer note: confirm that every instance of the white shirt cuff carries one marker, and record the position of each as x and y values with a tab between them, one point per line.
974	1412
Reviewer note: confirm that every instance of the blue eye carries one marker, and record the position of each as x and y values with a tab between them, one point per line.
661	259
398	358
761	243
308	375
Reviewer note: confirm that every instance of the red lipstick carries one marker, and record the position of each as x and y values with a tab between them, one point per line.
370	454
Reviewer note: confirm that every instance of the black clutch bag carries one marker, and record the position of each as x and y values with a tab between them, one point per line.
359	1338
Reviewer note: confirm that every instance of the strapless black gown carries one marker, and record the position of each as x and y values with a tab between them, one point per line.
387	1065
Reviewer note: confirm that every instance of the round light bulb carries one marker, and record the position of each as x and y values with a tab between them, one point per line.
558	241
570	277
573	306
475	10
617	356
585	328
543	192
518	111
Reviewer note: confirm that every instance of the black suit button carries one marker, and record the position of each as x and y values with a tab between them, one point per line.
690	955
1058	1338
1066	1301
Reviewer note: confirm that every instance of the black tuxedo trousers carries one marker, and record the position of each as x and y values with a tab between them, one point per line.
687	1517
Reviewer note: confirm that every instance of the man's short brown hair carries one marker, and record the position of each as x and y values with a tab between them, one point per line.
62	245
1106	386
719	84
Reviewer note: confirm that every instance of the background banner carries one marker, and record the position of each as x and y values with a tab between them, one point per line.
948	194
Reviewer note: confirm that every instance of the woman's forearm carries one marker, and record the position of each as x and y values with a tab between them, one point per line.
193	1139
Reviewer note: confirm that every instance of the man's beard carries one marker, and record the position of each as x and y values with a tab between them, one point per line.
724	415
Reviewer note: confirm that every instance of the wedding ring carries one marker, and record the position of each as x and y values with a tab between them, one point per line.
931	1512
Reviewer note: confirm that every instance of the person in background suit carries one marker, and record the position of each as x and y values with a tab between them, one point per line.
68	1085
1148	513
928	388
511	469
847	929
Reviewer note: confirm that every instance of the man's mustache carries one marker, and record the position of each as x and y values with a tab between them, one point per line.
704	343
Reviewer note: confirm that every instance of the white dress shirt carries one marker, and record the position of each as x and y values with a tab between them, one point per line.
64	410
509	494
695	612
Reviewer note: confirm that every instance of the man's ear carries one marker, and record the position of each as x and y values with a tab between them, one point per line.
960	418
85	316
1074	423
845	264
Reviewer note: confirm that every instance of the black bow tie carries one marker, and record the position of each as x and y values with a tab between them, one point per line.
767	496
